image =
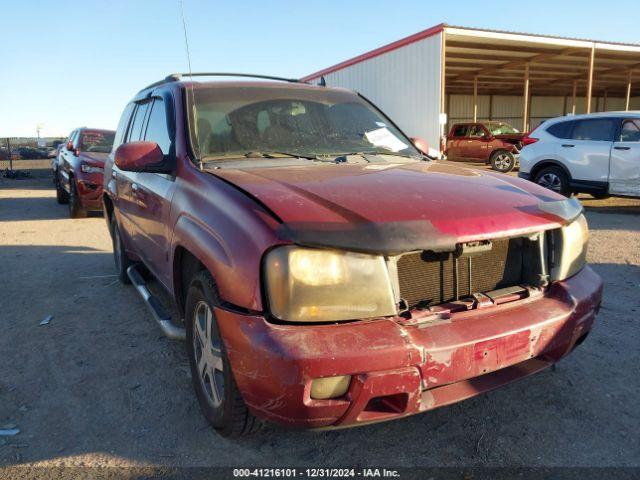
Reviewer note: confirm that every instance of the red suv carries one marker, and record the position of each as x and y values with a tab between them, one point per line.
495	143
328	273
77	173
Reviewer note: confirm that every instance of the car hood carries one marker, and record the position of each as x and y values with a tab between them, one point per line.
392	208
94	158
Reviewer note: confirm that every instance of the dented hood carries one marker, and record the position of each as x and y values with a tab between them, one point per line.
392	208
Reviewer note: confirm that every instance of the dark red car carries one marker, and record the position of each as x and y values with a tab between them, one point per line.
495	143
78	169
328	273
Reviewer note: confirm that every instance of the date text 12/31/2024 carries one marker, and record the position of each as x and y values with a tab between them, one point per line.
315	473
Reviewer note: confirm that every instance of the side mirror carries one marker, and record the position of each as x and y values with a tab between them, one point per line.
421	144
70	146
487	137
140	157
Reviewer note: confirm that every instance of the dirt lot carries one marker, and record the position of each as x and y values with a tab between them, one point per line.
100	385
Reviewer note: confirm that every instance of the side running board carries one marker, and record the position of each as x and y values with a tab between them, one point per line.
162	318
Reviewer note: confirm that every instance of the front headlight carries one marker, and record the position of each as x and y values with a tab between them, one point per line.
316	285
91	169
570	249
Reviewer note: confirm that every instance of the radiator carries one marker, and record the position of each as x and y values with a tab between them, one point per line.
428	278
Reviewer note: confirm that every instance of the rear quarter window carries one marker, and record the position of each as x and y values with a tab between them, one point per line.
560	129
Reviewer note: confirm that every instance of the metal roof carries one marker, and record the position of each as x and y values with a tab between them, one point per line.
496	59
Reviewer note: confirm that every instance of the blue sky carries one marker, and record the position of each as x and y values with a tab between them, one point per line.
71	63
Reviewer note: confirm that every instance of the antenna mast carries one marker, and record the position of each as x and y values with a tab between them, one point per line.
193	102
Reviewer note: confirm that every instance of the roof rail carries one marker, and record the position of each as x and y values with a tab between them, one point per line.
176	77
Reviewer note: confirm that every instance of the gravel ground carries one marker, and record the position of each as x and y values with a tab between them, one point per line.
101	386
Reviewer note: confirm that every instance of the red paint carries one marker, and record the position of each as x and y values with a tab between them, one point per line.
68	170
429	32
136	156
227	219
475	148
432	366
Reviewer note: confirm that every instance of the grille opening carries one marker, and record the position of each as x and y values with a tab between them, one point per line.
428	278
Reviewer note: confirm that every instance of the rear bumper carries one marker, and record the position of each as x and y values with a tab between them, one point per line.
402	370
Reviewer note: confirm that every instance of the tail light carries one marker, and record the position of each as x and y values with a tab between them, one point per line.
527	140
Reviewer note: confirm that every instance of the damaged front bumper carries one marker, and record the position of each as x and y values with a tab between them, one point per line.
399	369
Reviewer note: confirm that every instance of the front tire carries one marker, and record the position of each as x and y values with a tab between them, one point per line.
502	161
75	208
62	196
219	398
554	179
120	257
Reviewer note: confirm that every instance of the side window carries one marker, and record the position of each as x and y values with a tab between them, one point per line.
157	127
460	131
561	129
135	132
594	129
630	131
476	131
122	125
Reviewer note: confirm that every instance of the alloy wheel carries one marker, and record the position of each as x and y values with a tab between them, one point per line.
551	181
207	348
503	162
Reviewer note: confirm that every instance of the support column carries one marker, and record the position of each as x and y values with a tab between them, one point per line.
590	78
475	99
604	101
525	100
573	97
628	100
443	101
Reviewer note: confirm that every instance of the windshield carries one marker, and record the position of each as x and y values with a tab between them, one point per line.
96	141
251	121
500	128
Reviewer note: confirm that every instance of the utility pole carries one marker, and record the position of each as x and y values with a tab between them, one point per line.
10	156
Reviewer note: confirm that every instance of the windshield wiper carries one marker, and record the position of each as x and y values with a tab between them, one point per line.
373	152
255	155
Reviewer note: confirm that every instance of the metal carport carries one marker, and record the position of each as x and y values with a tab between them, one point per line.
448	74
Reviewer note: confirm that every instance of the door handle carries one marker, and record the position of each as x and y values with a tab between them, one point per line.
622	148
568	145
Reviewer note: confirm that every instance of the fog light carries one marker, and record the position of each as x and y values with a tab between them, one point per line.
330	387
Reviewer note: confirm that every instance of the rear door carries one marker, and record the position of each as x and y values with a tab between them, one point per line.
151	195
624	175
586	153
454	141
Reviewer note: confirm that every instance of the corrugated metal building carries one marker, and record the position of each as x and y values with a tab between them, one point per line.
446	74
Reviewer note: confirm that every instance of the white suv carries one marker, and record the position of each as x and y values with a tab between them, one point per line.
598	153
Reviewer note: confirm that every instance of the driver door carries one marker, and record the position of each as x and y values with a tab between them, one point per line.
475	146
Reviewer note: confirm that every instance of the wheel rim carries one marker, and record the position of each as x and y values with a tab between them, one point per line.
551	181
503	161
207	349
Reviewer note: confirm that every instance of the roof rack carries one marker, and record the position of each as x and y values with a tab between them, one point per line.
176	77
